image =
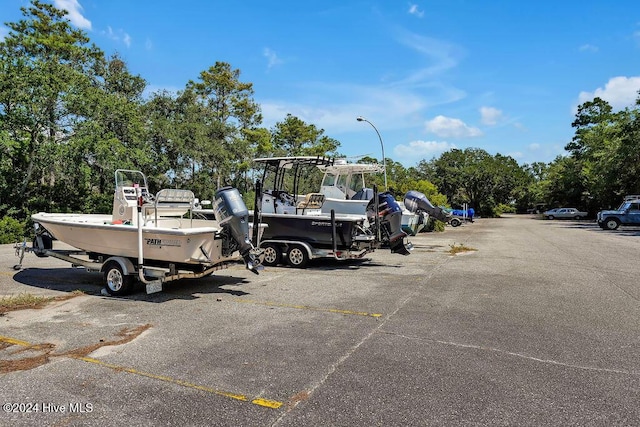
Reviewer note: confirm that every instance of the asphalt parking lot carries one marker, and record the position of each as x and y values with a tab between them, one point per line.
538	325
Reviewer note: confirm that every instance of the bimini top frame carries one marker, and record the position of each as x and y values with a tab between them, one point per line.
280	165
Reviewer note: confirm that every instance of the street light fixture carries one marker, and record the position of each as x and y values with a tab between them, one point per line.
384	161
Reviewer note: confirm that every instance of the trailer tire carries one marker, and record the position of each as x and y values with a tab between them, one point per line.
116	282
455	222
272	254
47	244
297	256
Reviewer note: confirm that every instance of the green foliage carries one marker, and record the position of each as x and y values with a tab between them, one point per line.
294	137
434	225
503	208
603	162
46	67
475	177
11	230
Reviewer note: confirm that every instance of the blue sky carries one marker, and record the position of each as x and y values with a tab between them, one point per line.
502	75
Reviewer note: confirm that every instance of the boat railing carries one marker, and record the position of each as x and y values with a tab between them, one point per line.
170	202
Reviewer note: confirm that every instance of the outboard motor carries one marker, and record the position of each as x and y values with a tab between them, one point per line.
232	215
390	219
416	201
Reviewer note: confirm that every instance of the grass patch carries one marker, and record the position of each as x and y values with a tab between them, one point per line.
25	301
453	249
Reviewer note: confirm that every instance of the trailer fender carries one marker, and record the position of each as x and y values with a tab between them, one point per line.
306	246
127	266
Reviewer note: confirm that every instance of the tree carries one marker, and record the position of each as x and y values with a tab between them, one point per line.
228	124
45	65
294	137
110	134
475	177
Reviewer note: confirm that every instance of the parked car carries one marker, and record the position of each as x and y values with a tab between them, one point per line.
627	214
564	213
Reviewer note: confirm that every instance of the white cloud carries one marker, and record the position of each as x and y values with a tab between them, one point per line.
440	55
620	92
414	10
534	146
588	48
118	36
448	127
421	149
74	13
490	116
336	106
520	127
272	58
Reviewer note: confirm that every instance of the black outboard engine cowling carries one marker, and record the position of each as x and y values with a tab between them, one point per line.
232	215
390	215
416	201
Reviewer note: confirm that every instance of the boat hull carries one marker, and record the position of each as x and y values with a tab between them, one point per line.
410	221
312	229
165	242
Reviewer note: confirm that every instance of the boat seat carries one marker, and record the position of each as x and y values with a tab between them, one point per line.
363	194
170	202
311	201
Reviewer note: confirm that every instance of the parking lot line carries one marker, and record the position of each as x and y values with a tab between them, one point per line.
14	341
306	307
267	403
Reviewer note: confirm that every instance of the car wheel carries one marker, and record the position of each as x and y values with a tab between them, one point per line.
116	282
578	217
272	255
550	217
297	256
612	223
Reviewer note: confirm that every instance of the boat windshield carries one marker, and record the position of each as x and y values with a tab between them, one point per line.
353	181
130	178
356	183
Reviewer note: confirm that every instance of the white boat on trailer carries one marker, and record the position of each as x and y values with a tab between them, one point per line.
344	186
345	190
152	238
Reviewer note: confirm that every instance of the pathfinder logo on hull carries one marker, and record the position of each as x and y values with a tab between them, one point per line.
163	242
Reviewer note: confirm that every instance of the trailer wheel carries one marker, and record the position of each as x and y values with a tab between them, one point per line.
297	256
272	254
455	222
116	282
47	244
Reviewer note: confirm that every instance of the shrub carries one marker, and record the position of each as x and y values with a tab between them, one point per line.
503	208
11	230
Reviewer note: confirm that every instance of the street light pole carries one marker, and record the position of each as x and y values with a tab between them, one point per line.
384	160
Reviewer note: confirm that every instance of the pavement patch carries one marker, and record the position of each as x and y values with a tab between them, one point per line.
307	307
127	335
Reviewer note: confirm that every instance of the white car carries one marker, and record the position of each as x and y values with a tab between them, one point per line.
564	213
